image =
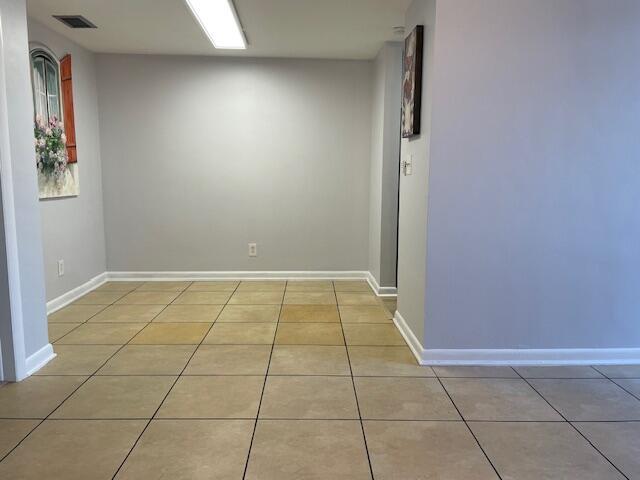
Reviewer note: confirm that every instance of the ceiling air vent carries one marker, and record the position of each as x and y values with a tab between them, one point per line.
75	21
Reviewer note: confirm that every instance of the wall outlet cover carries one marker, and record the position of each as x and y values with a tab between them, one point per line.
253	249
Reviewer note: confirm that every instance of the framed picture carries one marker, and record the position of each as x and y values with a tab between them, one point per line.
412	82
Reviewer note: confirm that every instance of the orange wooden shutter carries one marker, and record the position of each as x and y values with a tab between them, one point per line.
67	107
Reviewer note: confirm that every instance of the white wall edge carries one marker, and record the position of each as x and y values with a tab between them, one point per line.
236	275
72	295
39	359
515	357
380	291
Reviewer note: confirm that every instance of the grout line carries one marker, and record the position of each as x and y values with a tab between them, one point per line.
572	425
613	380
468	427
264	386
355	391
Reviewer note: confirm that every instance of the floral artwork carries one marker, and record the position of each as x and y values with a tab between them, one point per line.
412	83
56	177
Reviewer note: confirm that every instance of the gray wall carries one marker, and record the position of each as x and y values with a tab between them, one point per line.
385	150
203	155
533	223
19	173
73	228
412	230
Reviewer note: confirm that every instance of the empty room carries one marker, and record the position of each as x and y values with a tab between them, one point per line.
320	239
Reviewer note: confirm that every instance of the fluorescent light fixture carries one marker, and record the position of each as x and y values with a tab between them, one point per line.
219	22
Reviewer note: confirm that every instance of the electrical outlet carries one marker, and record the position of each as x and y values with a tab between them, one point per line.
60	268
253	249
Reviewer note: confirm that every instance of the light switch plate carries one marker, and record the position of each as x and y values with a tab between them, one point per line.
253	249
60	268
407	165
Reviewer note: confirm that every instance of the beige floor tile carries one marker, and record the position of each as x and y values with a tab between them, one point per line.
148	298
102	334
249	313
352	286
36	397
256	297
12	431
307	397
372	335
75	313
310	286
230	360
558	372
395	398
386	361
162	286
619	371
99	298
172	334
308	449
309	313
189	314
59	330
72	450
475	372
149	360
214	286
78	359
541	451
309	334
416	450
261	285
116	397
118	287
309	298
357	299
498	399
364	314
213	397
241	334
127	314
309	360
589	400
631	385
202	298
190	450
618	441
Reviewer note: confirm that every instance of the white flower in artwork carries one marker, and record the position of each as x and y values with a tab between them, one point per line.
61	125
63	137
48	131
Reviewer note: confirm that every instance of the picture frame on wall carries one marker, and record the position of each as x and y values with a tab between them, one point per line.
412	82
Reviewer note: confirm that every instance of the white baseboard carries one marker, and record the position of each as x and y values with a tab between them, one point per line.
515	357
39	359
237	275
380	291
73	295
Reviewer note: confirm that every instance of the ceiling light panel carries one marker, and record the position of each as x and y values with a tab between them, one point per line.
219	21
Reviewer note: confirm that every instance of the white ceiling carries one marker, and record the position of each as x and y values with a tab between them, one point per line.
350	29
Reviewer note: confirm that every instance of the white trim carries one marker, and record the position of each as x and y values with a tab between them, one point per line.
515	357
380	291
72	295
12	345
39	359
236	275
409	337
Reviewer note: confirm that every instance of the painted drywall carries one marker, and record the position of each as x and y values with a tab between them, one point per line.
203	155
412	229
73	228
385	151
534	186
6	331
22	230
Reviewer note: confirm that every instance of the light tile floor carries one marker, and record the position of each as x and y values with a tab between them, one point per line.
296	380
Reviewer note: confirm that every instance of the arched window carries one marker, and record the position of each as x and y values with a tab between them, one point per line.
46	84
